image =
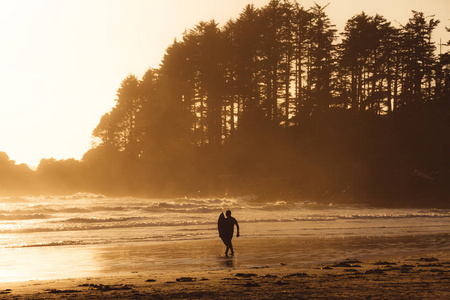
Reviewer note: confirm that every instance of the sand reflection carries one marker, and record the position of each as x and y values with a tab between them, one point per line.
38	263
24	264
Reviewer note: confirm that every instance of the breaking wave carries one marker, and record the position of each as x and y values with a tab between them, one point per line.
83	219
19	217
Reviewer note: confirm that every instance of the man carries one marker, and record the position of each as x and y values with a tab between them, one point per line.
228	232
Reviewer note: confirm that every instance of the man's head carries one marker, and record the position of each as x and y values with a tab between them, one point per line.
228	213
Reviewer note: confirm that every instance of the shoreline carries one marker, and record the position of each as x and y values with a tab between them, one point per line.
415	276
59	262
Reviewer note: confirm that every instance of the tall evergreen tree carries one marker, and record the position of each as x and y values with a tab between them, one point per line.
368	54
300	22
418	50
244	35
271	57
118	127
321	52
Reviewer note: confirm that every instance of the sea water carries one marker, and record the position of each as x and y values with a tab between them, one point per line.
88	234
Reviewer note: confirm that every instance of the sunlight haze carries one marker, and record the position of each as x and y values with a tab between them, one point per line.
61	62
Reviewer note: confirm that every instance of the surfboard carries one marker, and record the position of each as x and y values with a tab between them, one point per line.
221	224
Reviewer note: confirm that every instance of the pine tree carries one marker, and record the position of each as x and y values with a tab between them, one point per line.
321	34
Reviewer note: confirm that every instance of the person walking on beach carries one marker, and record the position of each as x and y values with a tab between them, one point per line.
226	230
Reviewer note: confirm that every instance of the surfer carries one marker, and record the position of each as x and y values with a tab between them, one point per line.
226	230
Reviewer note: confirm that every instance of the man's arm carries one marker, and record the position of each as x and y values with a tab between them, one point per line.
237	226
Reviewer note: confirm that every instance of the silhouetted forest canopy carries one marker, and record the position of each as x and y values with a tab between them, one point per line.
277	104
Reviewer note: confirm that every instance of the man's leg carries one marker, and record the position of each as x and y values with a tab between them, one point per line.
226	242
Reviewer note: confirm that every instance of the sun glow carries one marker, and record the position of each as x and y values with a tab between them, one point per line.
61	62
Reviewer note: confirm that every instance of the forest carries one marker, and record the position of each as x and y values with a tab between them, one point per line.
278	105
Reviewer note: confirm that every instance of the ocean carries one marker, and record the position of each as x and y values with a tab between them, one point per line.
88	235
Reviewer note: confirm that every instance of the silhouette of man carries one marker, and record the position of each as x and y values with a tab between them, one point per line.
229	231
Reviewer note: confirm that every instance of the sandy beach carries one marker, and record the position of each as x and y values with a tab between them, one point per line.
420	276
107	248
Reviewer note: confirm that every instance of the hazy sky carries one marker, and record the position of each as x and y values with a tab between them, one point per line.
62	61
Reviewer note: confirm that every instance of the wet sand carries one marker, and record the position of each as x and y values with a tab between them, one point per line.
424	275
45	263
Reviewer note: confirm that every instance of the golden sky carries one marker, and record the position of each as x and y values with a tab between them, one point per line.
62	61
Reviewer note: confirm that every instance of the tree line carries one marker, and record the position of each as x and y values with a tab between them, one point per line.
281	64
277	103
